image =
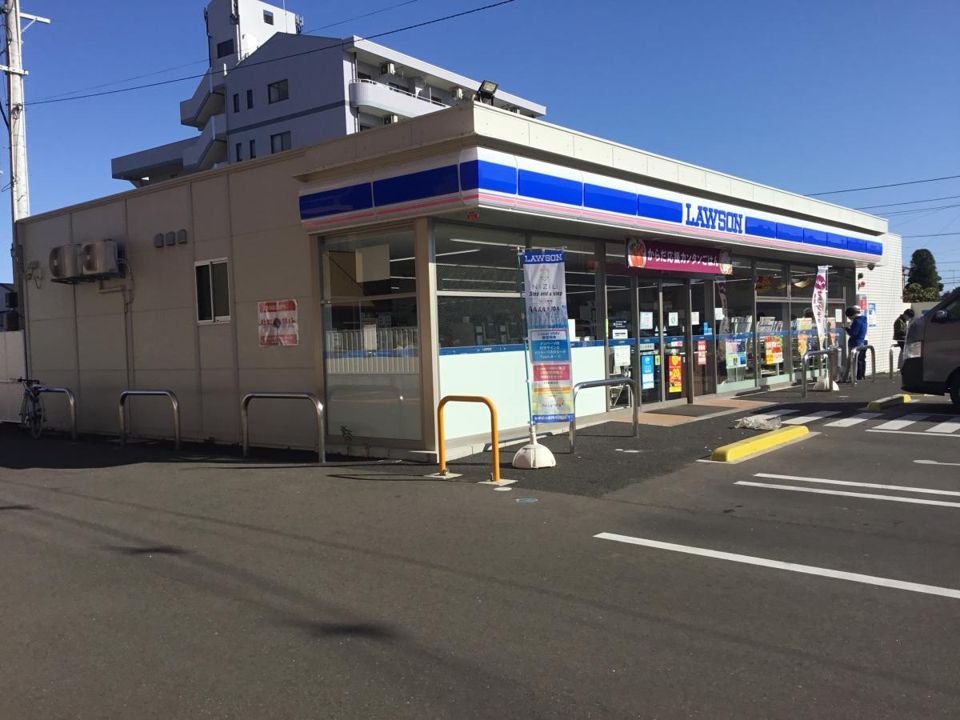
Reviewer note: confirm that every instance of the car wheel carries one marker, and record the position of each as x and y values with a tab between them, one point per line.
955	388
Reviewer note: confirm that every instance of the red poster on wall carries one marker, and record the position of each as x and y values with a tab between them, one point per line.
701	352
278	324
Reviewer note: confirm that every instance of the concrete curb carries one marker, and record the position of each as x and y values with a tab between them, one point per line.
761	443
901	399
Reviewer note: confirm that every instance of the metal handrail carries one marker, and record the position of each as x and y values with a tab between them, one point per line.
71	400
318	406
854	359
832	354
613	381
494	437
891	367
174	404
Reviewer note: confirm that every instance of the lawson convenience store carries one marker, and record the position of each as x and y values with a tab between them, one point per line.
380	272
693	295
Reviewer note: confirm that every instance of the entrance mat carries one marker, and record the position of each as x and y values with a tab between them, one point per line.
692	410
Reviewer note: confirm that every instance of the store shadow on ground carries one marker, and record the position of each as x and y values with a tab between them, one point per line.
18	451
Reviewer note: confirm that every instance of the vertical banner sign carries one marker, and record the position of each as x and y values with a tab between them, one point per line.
277	321
546	305
819	303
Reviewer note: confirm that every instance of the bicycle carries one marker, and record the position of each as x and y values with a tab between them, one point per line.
31	407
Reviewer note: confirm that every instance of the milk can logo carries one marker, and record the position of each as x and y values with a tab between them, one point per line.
636	253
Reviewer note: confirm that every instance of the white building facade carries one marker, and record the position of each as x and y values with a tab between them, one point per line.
270	88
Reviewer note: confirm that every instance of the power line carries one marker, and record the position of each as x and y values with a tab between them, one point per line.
365	15
920	210
206	62
931	235
341	44
890	185
909	202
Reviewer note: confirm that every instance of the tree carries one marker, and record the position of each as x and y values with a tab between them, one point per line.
923	270
914	292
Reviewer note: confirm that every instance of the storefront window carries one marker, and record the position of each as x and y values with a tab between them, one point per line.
479	281
581	279
772	337
733	324
802	280
360	266
770	280
371	356
479	321
472	259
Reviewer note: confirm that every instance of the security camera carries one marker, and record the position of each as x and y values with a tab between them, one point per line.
871	266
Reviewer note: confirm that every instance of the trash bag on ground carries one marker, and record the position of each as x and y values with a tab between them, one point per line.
755	422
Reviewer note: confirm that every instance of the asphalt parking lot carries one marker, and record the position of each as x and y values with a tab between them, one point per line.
623	584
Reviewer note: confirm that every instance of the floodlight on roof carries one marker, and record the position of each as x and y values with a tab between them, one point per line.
488	88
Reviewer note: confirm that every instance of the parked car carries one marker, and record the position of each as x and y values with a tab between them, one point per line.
930	362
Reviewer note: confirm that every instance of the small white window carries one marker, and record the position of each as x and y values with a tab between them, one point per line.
213	291
280	142
278	91
268	17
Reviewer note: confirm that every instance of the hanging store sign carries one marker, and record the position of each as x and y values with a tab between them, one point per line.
545	293
277	321
644	254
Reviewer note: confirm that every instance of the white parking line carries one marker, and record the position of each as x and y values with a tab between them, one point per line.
866	496
780	565
952	425
804	419
855	420
914	432
850	483
774	414
936	462
901	423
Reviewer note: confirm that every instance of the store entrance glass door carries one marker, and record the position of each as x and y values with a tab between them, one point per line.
674	355
704	340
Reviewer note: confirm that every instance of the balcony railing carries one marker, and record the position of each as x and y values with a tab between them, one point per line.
403	91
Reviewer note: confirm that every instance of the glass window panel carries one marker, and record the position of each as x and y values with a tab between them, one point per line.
733	324
581	279
802	280
480	321
770	279
221	290
204	302
367	265
477	259
372	366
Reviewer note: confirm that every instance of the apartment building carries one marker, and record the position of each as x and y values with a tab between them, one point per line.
270	88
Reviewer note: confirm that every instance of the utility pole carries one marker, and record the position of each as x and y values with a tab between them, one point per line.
16	124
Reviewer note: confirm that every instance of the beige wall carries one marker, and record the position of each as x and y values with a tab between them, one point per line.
141	331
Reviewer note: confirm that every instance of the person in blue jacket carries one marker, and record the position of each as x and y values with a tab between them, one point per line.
857	336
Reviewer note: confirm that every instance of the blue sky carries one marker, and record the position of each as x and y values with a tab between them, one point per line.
808	96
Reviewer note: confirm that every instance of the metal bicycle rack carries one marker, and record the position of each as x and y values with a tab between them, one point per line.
892	366
615	381
318	406
174	404
832	354
855	358
71	401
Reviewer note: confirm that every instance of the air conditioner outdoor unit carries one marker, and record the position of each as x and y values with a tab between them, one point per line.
100	258
388	68
65	263
391	119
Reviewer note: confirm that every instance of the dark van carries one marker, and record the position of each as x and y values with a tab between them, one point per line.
931	354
